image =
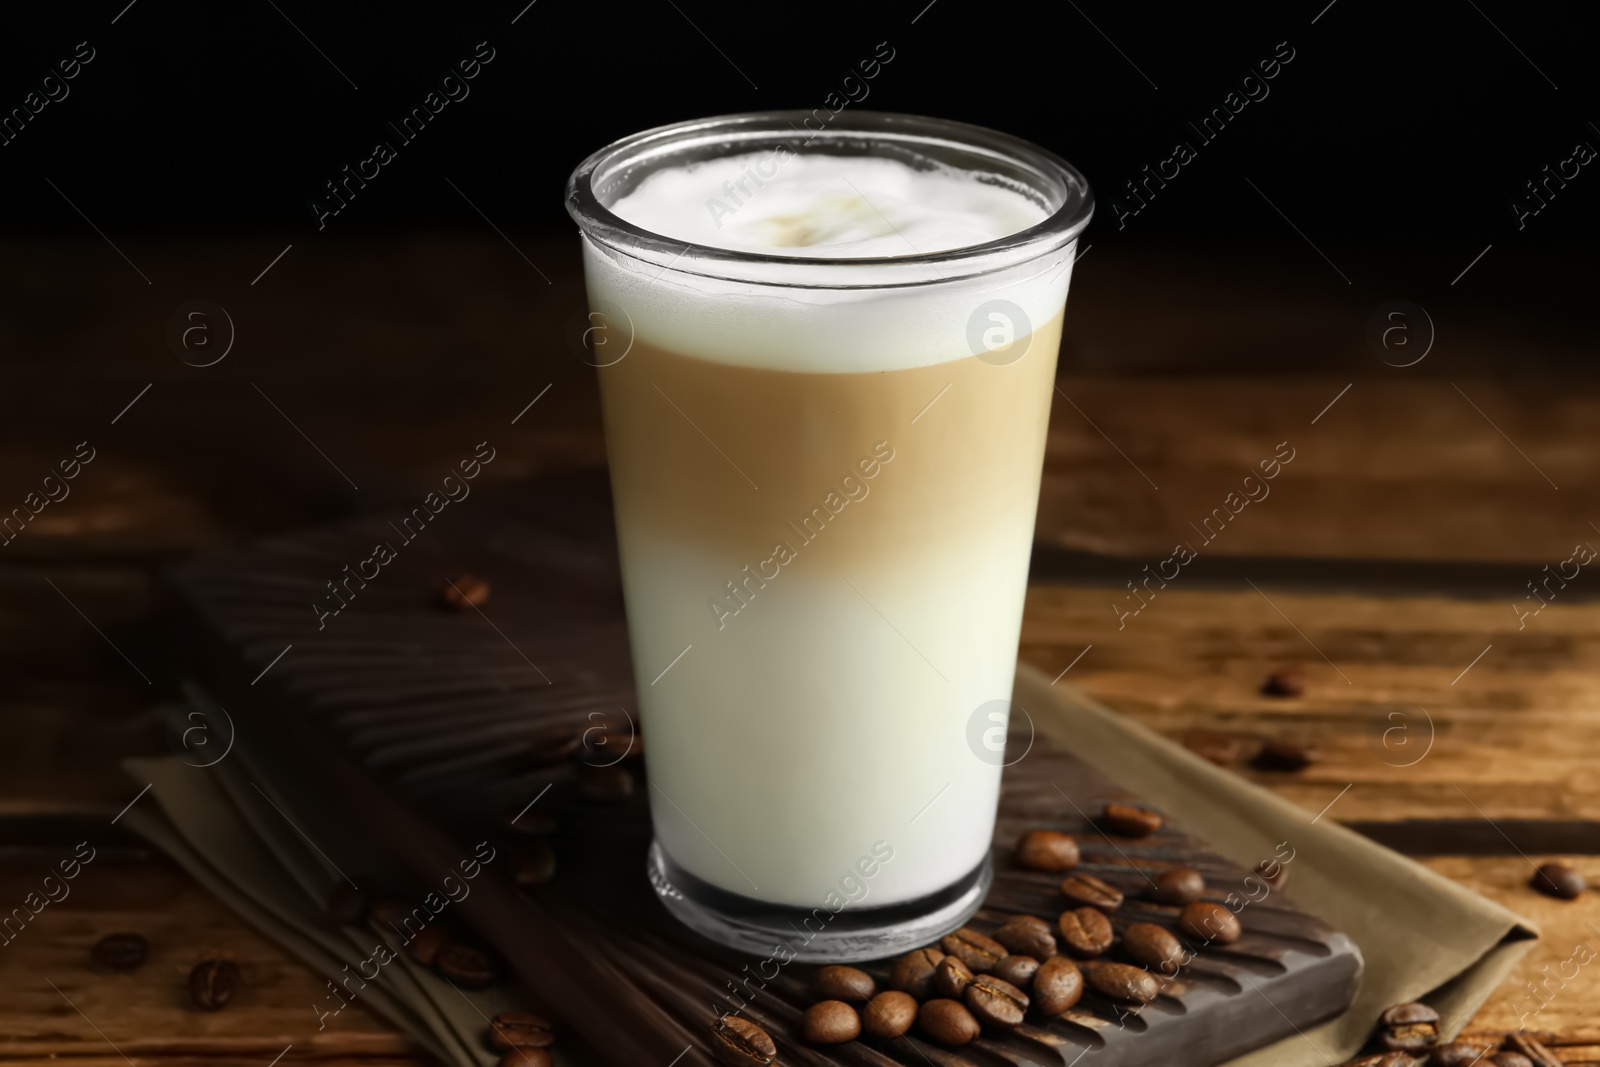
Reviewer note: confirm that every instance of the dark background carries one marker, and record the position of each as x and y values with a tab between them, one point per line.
1408	124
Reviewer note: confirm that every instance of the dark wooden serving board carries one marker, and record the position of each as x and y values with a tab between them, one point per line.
403	726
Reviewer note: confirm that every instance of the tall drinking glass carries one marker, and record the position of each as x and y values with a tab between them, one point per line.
825	472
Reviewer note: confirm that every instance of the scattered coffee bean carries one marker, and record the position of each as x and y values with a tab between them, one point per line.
424	946
738	1042
1131	820
996	1002
978	951
1086	931
347	904
889	1014
1047	850
1284	756
1181	885
605	785
603	746
213	983
1221	749
1205	921
120	952
520	1029
1559	880
830	1022
1384	1059
391	915
466	966
1459	1054
1057	986
533	865
947	1022
1510	1059
913	972
465	591
1153	946
849	984
1027	936
950	978
1410	1028
1535	1052
524	820
526	1056
1273	873
1018	970
1087	890
1285	682
1119	981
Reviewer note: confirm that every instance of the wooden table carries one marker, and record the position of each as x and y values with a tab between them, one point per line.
1385	563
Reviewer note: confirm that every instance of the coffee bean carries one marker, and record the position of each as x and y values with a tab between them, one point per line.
1559	880
848	984
1284	756
120	952
1181	885
1130	820
1385	1059
465	591
947	1022
1285	682
1087	890
1220	749
1119	981
830	1022
1057	986
520	1029
978	951
889	1014
1410	1028
533	864
424	946
1273	873
1205	921
738	1042
603	746
1535	1052
213	983
996	1002
1510	1059
1018	970
466	966
526	821
950	978
913	972
526	1056
1153	946
347	904
1086	931
1047	850
605	785
1458	1054
1027	936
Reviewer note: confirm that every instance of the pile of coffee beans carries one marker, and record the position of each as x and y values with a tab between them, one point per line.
1408	1036
522	1038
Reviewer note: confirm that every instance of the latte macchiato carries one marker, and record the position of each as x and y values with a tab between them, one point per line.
825	483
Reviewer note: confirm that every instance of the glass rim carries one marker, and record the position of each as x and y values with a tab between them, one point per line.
736	134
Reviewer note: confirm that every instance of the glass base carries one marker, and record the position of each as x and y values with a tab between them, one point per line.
815	936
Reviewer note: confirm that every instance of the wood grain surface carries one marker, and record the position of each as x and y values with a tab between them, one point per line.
1388	557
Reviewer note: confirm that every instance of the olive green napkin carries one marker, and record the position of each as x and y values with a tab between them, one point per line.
1424	937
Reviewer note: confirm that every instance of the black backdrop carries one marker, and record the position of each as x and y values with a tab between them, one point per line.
1407	127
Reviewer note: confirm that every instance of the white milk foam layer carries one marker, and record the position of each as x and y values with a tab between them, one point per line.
844	207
